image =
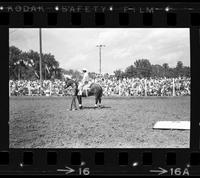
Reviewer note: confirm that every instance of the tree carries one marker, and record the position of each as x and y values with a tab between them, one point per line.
165	66
179	65
118	73
143	67
167	71
26	65
130	71
34	62
18	64
57	74
14	62
186	71
157	71
171	73
179	69
49	64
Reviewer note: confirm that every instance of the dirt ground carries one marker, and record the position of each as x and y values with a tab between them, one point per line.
122	122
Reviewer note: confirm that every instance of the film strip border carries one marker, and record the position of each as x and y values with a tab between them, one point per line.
106	161
103	161
100	15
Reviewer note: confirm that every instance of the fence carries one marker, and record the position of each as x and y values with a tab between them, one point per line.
173	88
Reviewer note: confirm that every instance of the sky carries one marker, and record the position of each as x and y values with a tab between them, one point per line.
75	48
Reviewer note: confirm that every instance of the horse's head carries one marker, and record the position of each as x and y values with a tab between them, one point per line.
69	82
67	79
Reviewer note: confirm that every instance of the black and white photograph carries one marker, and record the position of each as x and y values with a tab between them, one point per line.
99	88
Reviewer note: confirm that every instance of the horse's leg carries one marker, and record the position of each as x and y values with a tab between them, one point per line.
79	101
80	104
96	101
99	101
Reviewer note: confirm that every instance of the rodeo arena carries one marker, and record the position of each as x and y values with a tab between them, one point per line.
128	105
112	112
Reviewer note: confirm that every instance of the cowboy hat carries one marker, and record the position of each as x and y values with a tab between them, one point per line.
84	69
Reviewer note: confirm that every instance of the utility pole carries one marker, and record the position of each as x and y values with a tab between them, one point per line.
40	40
100	46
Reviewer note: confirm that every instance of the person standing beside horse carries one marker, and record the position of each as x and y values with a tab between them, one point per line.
74	95
74	91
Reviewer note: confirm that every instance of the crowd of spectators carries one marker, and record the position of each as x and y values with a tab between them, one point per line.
148	87
111	87
32	88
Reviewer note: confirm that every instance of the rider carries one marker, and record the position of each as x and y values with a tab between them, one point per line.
84	81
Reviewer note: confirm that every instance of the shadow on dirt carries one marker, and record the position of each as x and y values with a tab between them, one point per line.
90	107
